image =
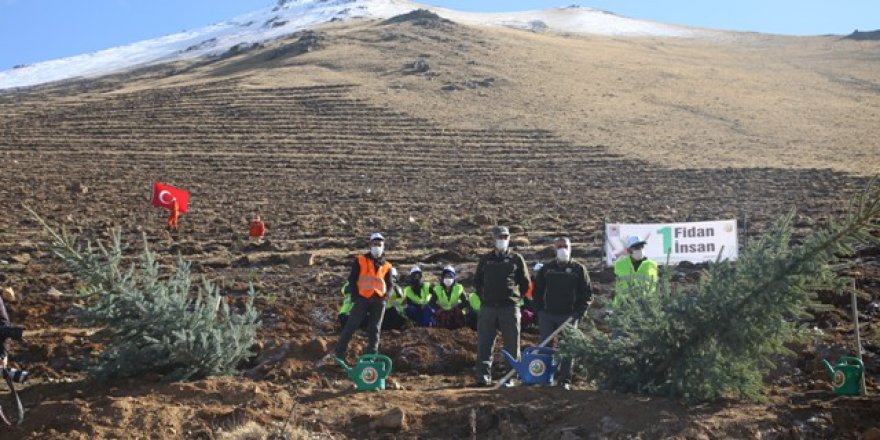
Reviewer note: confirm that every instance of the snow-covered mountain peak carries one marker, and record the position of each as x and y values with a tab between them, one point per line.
288	16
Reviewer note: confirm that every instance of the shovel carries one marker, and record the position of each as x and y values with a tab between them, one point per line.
18	405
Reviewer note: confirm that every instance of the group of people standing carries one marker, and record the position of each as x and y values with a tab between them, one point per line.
560	293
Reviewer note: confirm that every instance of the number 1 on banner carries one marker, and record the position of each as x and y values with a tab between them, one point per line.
667	239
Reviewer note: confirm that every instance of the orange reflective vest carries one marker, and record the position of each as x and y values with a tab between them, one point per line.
371	280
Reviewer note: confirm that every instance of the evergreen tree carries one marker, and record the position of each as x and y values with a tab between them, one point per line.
155	323
718	337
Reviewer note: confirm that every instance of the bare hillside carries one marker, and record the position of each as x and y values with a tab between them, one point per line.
737	100
431	132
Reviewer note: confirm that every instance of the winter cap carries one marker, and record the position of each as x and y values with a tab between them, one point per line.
634	241
448	269
565	239
499	231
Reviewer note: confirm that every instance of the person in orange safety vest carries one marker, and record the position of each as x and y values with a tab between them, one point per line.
368	282
175	214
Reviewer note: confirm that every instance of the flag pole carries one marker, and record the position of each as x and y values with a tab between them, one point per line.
150	205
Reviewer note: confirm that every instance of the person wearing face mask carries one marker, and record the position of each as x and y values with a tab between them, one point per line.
395	316
500	282
395	312
418	298
634	272
562	291
368	282
449	301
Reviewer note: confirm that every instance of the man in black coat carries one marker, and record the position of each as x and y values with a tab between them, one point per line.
501	281
562	291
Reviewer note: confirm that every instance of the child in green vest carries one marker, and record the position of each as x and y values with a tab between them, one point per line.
449	301
345	307
418	298
395	315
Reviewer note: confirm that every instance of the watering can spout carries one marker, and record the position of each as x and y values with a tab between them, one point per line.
828	367
342	364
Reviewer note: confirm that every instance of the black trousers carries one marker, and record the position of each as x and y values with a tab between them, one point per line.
370	309
393	320
4	321
548	323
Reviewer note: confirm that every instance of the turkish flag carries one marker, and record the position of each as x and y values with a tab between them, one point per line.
164	194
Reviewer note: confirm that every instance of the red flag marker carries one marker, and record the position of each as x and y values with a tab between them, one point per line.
164	194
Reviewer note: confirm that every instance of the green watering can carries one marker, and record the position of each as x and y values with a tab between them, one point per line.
846	376
370	371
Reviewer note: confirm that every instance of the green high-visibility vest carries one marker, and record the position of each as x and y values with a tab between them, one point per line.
347	304
395	299
448	301
422	297
629	279
474	302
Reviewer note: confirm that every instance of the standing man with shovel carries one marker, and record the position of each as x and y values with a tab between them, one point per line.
500	282
562	294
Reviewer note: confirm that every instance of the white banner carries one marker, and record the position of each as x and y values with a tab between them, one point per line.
695	241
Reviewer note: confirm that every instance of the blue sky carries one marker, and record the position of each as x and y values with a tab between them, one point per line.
39	30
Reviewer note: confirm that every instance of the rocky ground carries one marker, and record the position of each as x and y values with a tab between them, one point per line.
306	137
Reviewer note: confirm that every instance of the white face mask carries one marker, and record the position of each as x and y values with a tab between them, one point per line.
376	251
501	245
448	282
638	255
563	254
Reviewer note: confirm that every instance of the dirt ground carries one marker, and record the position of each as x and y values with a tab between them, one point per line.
337	133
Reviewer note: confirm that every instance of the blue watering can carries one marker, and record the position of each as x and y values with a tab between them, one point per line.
536	367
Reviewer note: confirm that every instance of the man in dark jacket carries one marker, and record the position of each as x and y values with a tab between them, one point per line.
500	282
7	295
562	291
369	281
4	321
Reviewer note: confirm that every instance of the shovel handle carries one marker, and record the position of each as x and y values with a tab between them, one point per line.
539	350
18	406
